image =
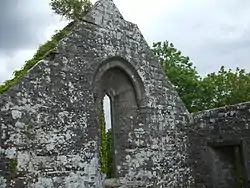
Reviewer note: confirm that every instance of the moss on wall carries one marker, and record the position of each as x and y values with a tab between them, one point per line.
12	167
39	55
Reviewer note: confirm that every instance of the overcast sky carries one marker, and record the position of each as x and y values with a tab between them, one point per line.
211	32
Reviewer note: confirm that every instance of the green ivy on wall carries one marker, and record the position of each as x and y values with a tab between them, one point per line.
103	142
111	167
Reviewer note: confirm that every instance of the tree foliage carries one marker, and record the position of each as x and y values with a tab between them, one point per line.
225	87
71	9
180	72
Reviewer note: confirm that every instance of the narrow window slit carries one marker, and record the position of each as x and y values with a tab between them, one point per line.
107	141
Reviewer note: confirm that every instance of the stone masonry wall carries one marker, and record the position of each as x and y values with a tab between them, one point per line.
216	136
49	119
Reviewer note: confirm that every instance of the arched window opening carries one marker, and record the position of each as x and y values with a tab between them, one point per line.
118	95
107	139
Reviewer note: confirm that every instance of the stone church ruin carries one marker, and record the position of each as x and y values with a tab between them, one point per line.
50	131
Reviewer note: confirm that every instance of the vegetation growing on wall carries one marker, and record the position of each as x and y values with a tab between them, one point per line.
103	142
107	149
111	168
12	167
39	55
70	9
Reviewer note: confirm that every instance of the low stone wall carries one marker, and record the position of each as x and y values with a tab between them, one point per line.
220	149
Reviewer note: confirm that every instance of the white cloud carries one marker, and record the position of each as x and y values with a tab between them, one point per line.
7	65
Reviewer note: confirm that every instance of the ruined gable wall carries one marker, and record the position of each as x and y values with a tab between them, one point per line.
226	126
49	130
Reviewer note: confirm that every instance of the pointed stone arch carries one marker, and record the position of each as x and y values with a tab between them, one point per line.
117	78
127	69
